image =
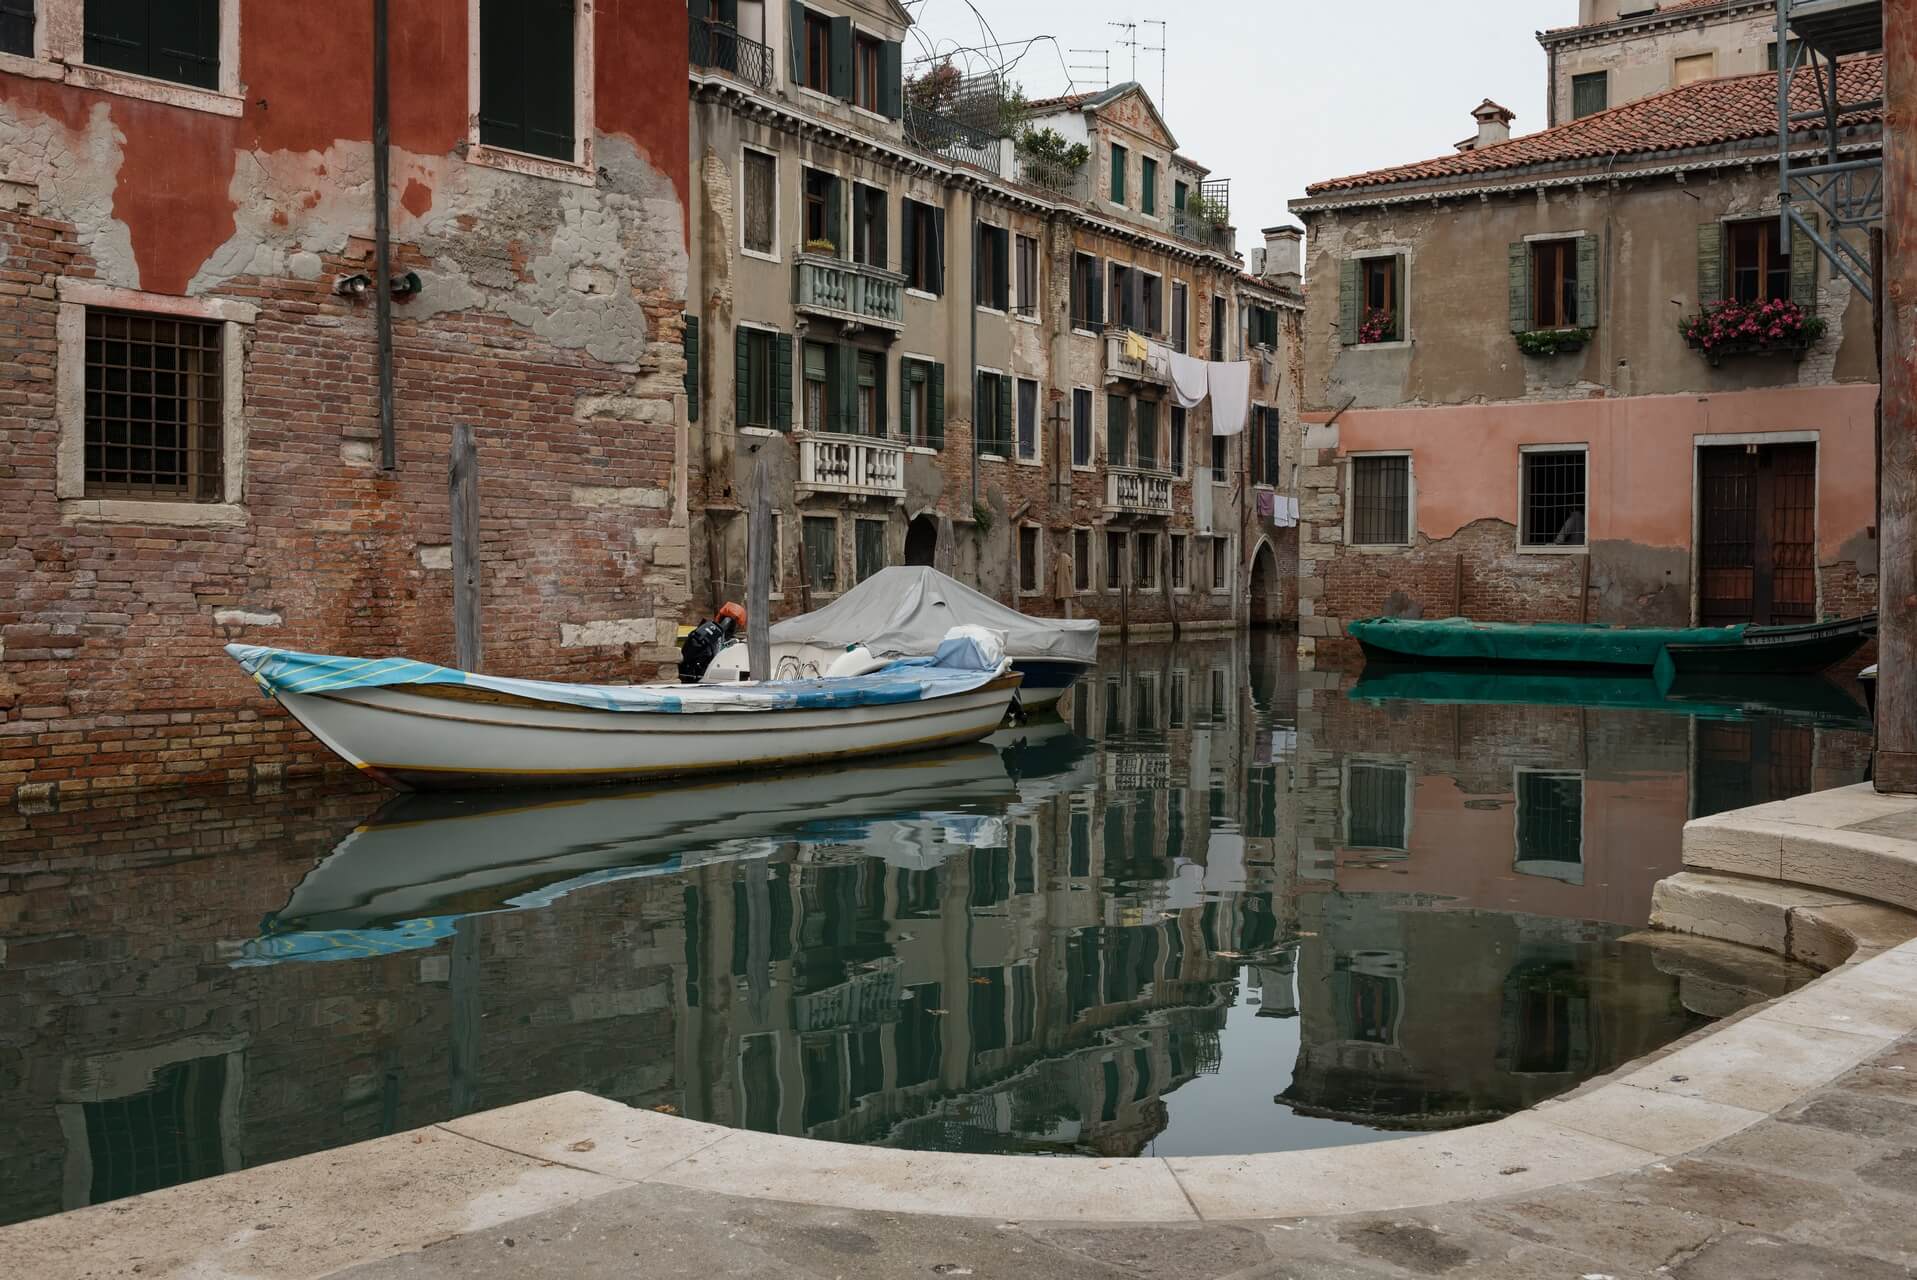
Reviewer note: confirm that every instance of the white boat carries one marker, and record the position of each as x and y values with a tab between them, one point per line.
905	612
414	725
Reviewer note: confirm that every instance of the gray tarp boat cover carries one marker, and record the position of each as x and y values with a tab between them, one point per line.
906	610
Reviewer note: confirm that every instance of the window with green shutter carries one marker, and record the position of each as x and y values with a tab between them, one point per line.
689	343
1118	431
1118	174
179	40
526	74
756	377
1148	186
821	535
1590	94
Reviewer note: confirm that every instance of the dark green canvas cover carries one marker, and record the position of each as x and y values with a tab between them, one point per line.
1460	641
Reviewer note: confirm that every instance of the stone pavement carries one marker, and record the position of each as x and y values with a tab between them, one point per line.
1827	1188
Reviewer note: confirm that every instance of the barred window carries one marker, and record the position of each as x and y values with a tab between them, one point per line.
1381	501
154	417
1550	839
1554	498
1377	805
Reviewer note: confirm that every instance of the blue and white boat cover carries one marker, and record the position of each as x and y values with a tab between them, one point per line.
958	668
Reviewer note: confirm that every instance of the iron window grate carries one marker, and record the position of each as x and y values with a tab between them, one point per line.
161	1137
153	407
1554	499
1380	501
1550	817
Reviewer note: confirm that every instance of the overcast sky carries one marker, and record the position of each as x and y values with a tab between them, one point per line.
1276	94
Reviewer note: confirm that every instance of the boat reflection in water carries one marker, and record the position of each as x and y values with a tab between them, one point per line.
1220	906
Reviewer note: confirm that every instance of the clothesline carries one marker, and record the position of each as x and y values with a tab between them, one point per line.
1226	382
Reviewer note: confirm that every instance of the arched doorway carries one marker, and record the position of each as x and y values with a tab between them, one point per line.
1267	597
922	540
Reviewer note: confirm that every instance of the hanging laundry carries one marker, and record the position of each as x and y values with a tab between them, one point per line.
1230	386
1135	347
1191	381
1267	504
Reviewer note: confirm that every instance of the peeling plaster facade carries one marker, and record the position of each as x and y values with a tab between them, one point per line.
955	502
549	317
1463	404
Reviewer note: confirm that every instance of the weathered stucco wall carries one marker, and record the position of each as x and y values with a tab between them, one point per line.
1642	61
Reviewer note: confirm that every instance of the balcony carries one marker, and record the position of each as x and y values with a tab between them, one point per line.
1155	368
718	46
859	465
850	292
1138	492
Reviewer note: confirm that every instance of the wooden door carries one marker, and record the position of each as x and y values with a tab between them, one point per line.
1757	550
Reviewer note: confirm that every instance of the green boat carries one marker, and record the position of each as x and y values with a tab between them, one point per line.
1460	642
1805	699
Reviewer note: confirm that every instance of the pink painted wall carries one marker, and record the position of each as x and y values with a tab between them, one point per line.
1465	457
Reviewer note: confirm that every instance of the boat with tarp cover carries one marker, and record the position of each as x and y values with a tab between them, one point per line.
418	726
1669	651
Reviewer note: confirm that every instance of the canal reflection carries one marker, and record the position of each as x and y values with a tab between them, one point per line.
1218	906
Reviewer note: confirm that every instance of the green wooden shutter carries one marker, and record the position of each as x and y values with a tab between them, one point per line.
1518	285
1095	303
1588	282
935	406
1118	174
891	68
1401	286
782	381
835	217
689	340
841	81
937	284
741	376
1804	253
1710	263
1002	429
1148	186
908	374
796	12
1348	317
909	244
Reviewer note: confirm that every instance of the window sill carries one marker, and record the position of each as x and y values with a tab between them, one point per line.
1554	550
530	166
1369	548
16	64
1398	345
925	294
924	450
1031	462
763	432
1083	333
185	515
761	255
1025	318
1085	467
991	311
993	457
187	96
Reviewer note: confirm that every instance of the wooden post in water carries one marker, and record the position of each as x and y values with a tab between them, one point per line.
759	573
1895	767
1164	577
945	555
463	484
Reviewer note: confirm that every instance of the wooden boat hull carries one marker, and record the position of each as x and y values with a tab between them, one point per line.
438	737
1792	650
1664	651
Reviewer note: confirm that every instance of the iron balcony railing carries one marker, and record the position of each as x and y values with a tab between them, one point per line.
1065	180
1203	230
859	465
1141	492
719	46
848	291
952	139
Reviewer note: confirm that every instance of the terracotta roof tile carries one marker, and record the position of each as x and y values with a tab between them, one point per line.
1708	113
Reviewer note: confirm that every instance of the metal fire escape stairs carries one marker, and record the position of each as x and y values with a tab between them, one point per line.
1821	192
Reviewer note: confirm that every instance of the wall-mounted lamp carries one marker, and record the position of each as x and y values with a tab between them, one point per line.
352	286
405	286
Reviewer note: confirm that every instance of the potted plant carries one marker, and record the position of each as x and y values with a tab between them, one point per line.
1553	342
821	246
1377	326
1732	328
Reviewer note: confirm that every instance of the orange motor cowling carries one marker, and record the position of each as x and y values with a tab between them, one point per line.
736	612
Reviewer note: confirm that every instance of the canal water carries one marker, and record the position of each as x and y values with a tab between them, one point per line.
1216	906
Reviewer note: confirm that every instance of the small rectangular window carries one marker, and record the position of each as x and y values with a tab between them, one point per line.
1553	497
821	534
526	72
1178	563
1114	560
1179	430
1217	327
993	433
822	234
1081	559
868	225
1220	564
179	40
1180	317
1027	419
1268	441
1795	54
1148	186
1381	501
155	414
761	379
1554	284
992	283
1379	284
1377	805
870	394
1147	548
1760	261
1118	431
1220	458
818	363
1087	313
865	73
1123	307
815	58
924	233
1118	174
16	27
1145	434
1550	837
1028	567
1081	427
1590	94
1025	301
869	551
1151	317
759	178
918	401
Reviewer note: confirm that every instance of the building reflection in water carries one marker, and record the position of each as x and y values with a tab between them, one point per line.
1219	906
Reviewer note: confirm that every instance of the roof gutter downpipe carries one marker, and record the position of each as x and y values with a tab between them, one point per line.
382	241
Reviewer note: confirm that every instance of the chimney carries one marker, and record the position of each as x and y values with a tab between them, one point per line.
1494	126
1284	263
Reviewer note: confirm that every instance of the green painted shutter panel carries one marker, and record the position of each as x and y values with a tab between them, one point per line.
1348	301
908	241
797	41
1401	287
935	407
1118	174
841	81
1804	253
1095	304
1518	285
891	71
690	341
1710	263
938	251
1587	282
908	374
741	376
782	379
1148	186
1002	429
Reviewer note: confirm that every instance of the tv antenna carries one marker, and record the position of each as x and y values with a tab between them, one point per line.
1130	41
1102	68
1158	49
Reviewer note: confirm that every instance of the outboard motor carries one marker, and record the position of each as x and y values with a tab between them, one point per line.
703	645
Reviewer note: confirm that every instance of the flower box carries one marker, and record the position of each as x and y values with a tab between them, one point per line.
1553	342
1725	329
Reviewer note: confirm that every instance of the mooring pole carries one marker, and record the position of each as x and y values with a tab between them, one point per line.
1895	766
382	243
463	502
759	573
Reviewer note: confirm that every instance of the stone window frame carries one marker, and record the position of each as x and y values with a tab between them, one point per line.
778	211
1231	564
1089	566
1039	406
235	318
1091	430
1038	572
580	170
1552	549
797	358
1179	562
1411	500
1011	428
59	53
1109	582
1027	310
1404	338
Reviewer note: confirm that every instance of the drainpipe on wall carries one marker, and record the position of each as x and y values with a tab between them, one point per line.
971	309
382	247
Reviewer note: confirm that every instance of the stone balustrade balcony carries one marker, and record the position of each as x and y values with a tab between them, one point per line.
863	466
850	292
1136	491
